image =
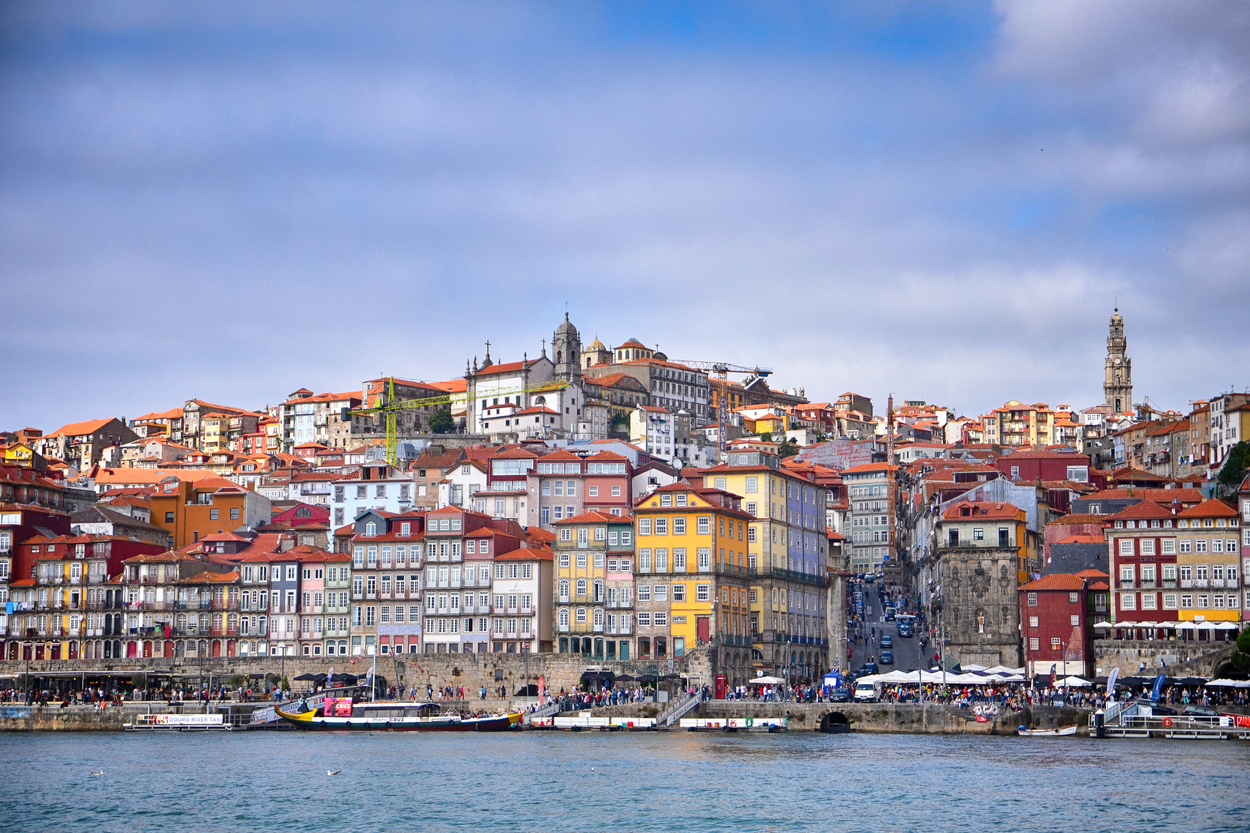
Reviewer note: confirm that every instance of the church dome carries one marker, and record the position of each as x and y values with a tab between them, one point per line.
566	327
596	346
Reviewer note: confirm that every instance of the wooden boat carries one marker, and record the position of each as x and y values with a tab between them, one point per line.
1046	733
340	714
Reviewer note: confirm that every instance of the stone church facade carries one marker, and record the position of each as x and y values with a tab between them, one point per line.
982	555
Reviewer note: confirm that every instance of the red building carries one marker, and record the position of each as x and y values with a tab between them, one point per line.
1141	544
1048	464
608	480
1057	631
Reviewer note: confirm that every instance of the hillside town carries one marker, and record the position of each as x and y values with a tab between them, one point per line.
619	504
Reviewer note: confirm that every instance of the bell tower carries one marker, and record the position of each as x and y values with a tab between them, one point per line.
1118	385
566	347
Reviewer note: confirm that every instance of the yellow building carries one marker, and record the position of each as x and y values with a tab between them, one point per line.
691	581
787	561
1208	559
1017	423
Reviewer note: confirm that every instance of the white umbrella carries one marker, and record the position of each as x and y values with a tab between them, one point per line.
1167	625
1104	626
1205	626
1226	626
1147	625
1126	624
768	681
1221	683
1185	626
1002	669
974	668
1075	682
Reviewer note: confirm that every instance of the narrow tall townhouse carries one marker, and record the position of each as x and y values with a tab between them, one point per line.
594	585
691	583
387	559
521	601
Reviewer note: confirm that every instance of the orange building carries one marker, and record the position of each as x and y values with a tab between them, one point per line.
191	510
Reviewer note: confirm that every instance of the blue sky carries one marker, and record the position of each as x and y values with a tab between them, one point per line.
943	201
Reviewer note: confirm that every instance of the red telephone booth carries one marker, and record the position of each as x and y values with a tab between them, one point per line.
721	686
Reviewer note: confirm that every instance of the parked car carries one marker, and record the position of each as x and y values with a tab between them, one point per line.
868	668
887	657
1199	711
840	695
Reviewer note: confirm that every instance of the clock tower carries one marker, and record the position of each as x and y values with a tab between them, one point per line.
1118	385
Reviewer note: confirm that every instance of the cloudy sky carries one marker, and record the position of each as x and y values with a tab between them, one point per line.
943	201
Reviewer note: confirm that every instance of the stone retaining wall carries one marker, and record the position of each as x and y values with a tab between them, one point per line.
438	670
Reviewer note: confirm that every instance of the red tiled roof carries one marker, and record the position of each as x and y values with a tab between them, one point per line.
1055	581
1209	509
76	429
1144	511
982	510
527	554
592	518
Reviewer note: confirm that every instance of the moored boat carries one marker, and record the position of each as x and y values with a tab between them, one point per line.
1046	733
340	714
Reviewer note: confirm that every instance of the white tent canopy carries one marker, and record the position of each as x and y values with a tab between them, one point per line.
1074	682
1003	669
766	681
1226	626
1104	626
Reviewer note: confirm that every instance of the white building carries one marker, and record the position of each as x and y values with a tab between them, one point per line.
522	610
654	429
375	486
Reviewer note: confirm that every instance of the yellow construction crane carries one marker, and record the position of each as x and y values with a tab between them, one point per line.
722	371
391	406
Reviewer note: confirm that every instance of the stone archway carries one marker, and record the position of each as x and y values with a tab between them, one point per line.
835	723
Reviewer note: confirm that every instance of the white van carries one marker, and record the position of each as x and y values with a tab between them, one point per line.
868	690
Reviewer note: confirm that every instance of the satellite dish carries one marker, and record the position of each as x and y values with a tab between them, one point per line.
678	463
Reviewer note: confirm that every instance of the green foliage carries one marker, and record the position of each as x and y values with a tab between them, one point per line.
236	680
441	421
272	678
1241	653
787	449
767	436
1234	470
620	420
286	684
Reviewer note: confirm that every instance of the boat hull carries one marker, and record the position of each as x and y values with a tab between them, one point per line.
309	721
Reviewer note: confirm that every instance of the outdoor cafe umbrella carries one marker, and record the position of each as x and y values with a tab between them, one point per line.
1226	626
1104	626
306	678
625	678
1185	626
1074	682
766	681
647	678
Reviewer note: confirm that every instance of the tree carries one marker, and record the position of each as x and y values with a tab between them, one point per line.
441	421
767	436
1241	653
1234	470
787	449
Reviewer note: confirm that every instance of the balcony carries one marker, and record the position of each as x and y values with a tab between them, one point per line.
1169	584
562	628
598	627
1148	584
526	611
224	631
1200	582
1187	583
1217	582
1127	583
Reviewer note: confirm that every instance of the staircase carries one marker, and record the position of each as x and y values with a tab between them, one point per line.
549	710
678	709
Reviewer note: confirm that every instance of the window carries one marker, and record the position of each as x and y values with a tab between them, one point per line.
1073	598
1128	601
661	620
644	592
1032	621
1147	546
661	526
1032	600
234	513
1034	644
679	592
703	592
1055	642
644	526
1169	601
212	514
705	526
1126	546
1168	546
753	485
679	526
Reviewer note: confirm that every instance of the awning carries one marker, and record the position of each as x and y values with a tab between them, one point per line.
766	681
1185	626
1074	682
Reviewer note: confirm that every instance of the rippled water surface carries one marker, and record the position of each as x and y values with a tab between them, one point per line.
596	781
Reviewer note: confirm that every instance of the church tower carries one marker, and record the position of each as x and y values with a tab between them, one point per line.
566	347
1118	386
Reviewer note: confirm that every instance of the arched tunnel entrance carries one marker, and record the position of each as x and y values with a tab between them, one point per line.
835	723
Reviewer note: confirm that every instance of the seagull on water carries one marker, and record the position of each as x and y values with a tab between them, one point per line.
97	772
334	772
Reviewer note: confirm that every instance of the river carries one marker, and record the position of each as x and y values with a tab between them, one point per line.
277	781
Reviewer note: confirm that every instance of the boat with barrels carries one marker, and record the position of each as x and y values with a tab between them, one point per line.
340	714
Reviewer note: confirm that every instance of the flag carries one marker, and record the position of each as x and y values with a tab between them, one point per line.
1115	675
1157	690
1052	676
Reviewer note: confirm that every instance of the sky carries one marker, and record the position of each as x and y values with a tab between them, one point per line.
230	201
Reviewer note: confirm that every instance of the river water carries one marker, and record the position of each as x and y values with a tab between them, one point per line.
276	781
